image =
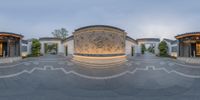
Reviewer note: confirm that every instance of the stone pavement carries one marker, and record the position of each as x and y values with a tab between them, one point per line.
58	78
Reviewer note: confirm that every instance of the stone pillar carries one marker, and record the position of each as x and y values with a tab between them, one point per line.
29	47
156	48
42	48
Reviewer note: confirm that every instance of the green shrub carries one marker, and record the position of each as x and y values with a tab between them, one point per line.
35	48
143	48
163	48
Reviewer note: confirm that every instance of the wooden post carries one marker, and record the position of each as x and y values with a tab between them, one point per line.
190	50
8	48
179	48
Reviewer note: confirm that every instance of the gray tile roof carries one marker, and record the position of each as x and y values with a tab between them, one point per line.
49	39
99	26
174	42
68	38
131	39
24	41
149	39
188	33
12	33
168	40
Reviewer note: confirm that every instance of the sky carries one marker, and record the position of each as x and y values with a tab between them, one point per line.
139	18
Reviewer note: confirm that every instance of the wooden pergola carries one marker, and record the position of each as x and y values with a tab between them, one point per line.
189	44
10	44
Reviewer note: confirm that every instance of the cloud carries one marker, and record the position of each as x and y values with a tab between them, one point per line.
140	18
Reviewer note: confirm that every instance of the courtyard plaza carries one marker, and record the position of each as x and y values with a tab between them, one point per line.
145	77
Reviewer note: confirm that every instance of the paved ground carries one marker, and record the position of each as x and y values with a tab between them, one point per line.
140	78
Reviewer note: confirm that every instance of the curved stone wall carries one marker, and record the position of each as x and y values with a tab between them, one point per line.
99	41
99	45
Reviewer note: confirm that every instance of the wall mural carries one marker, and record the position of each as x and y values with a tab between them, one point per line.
99	42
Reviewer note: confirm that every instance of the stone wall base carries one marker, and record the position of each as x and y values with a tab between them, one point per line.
99	60
9	60
189	60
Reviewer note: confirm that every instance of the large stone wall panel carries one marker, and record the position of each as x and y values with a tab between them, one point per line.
99	41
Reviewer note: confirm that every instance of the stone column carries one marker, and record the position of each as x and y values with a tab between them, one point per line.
42	50
156	48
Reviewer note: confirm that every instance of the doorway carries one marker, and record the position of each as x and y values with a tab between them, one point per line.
51	48
66	51
1	49
132	51
198	49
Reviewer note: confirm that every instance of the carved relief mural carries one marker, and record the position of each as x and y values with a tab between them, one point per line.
99	42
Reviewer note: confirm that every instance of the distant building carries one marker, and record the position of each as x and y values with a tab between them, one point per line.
172	47
152	42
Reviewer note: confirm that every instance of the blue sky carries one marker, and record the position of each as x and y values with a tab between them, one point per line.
140	18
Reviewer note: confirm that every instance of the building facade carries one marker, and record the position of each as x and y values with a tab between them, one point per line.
94	40
10	46
51	41
172	47
100	41
189	44
149	42
189	47
99	44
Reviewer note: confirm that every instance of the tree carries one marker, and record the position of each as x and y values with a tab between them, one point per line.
35	47
143	48
163	48
60	33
